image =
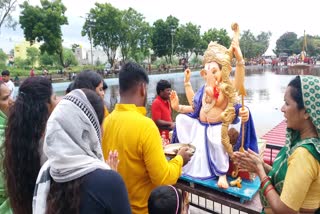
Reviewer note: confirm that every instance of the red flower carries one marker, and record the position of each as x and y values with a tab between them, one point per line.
216	92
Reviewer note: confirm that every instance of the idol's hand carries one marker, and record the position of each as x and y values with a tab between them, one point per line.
187	74
113	160
237	51
174	100
244	114
248	160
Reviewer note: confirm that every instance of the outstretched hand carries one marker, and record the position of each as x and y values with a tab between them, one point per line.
113	160
174	100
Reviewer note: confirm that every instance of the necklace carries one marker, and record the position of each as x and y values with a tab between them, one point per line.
207	103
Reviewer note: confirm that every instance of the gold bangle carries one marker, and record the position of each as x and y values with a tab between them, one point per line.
187	84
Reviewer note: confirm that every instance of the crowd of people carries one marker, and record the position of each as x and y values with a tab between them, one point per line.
53	151
70	155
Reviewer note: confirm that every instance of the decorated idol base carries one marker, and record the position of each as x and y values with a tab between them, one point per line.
245	193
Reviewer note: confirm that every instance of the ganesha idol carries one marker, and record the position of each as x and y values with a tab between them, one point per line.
213	113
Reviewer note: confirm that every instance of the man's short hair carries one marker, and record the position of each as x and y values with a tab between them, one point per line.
162	85
130	75
164	199
5	73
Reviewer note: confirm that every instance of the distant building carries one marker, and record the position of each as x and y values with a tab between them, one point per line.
80	55
20	50
98	55
84	56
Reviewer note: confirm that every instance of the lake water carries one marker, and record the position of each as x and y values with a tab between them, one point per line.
265	90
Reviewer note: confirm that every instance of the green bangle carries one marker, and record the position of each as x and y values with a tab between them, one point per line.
265	186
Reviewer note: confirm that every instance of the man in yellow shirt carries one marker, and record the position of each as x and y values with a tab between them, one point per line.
143	165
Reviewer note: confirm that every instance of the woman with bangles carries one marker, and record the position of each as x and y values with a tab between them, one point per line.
292	184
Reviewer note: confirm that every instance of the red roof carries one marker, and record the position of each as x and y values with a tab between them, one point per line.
277	136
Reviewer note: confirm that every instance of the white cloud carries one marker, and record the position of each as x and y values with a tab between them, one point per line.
273	15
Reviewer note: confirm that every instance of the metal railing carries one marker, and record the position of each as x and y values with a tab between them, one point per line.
213	201
273	147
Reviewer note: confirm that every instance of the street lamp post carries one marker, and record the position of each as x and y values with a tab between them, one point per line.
90	34
173	31
91	44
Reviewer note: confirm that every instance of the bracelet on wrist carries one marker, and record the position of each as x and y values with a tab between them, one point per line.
267	190
265	186
264	180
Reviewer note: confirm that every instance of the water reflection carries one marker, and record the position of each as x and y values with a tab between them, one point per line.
284	70
265	89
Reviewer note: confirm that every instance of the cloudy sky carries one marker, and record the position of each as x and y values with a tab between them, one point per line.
276	16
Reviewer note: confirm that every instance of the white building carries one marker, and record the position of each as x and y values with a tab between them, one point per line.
84	56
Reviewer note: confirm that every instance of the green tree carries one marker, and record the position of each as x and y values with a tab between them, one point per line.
252	46
221	36
3	59
3	56
32	55
287	43
188	38
69	58
312	47
142	50
314	44
173	28
20	63
291	44
74	47
200	47
247	41
163	33
135	35
104	25
262	42
160	38
46	59
44	24
6	8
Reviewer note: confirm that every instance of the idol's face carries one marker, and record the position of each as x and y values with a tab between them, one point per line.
212	74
